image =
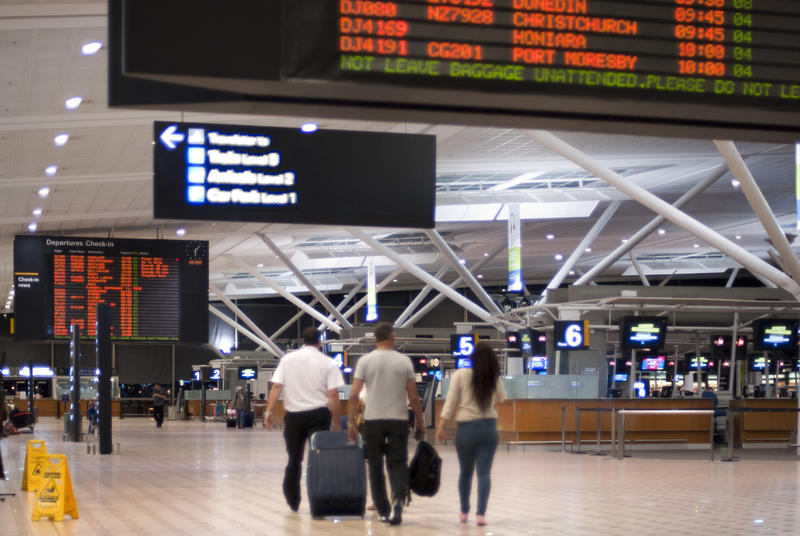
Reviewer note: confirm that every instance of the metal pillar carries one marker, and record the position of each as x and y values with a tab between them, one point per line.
305	281
419	298
247	333
648	229
350	295
423	275
465	274
103	345
289	296
438	299
732	278
760	207
639	271
252	325
683	220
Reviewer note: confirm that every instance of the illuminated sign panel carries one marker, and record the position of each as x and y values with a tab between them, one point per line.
265	174
653	363
248	373
674	61
157	289
463	345
642	332
775	334
571	334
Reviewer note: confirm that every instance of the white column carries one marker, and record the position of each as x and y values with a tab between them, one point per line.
689	224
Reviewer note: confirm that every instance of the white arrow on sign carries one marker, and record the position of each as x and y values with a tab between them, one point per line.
169	137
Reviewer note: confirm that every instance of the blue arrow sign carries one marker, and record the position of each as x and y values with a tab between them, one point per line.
170	137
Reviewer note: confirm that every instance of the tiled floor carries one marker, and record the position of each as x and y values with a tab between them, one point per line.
190	478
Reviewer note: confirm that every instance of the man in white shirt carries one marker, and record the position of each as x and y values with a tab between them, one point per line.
389	376
310	381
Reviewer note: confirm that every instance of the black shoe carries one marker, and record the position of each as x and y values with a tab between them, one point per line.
397	512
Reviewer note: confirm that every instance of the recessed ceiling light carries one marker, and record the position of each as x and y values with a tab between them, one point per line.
738	237
696	246
37	211
51	170
588	250
485	254
32	226
624	240
735	182
180	231
480	276
558	256
308	128
572	272
394	280
260	265
73	102
91	48
550	236
662	231
462	261
61	139
44	191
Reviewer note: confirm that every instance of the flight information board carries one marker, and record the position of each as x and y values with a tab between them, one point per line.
715	48
153	287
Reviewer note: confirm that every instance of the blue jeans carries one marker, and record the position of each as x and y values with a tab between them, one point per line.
476	442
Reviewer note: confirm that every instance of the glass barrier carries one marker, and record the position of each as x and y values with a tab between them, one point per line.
545	386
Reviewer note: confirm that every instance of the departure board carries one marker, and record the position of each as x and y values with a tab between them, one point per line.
153	287
716	48
724	66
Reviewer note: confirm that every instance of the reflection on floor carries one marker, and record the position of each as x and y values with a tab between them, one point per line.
190	478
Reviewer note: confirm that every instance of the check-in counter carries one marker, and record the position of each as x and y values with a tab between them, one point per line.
539	420
47	407
764	420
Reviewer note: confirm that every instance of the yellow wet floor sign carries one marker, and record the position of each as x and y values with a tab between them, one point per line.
55	497
35	459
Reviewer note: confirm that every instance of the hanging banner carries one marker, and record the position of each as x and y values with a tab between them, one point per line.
515	283
372	298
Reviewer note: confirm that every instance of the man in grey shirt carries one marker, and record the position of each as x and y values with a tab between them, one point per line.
389	376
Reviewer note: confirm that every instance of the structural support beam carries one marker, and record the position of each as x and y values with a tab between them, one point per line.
638	268
590	237
303	306
350	295
760	206
648	229
667	279
465	274
418	298
438	299
421	274
246	332
732	278
305	281
240	314
292	320
679	218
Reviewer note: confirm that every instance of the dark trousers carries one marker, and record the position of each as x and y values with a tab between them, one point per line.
297	428
476	442
158	415
387	438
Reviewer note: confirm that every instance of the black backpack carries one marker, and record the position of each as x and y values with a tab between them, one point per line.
425	470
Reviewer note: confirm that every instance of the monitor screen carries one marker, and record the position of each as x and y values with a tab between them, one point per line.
620	377
653	362
779	335
642	332
157	289
248	373
537	362
703	361
338	358
514	338
757	363
571	334
463	362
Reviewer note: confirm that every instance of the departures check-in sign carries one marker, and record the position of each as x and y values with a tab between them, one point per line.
264	174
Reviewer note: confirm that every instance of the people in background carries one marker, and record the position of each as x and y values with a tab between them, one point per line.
470	401
310	382
240	404
159	401
389	376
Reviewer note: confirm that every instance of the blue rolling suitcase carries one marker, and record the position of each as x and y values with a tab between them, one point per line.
336	479
247	419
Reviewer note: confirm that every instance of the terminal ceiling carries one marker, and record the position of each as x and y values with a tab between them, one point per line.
103	184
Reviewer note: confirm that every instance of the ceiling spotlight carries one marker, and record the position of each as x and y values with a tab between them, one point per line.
180	231
32	226
485	254
735	182
624	240
738	237
550	236
260	265
37	211
572	272
588	250
91	48
51	170
662	231
480	276
696	246
61	139
73	102
44	191
308	128
558	257
462	261
394	280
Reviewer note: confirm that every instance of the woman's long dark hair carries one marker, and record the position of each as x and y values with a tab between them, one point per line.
485	371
